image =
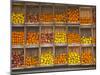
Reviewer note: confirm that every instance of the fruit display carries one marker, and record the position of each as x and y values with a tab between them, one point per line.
50	36
17	18
32	15
86	40
17	38
60	37
60	14
87	56
46	58
61	59
46	17
73	56
46	37
73	15
32	38
17	59
85	16
73	38
60	18
32	18
31	61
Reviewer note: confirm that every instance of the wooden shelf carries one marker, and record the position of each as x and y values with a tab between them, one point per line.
60	44
17	25
17	46
46	45
32	46
53	24
72	45
86	45
54	69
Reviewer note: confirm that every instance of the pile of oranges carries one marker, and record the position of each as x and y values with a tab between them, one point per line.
31	61
73	38
87	57
46	17
60	18
85	20
60	59
32	38
73	15
17	38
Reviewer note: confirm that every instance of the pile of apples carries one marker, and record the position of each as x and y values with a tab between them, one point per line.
17	59
32	18
46	37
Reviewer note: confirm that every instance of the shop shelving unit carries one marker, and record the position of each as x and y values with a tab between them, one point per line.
52	29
